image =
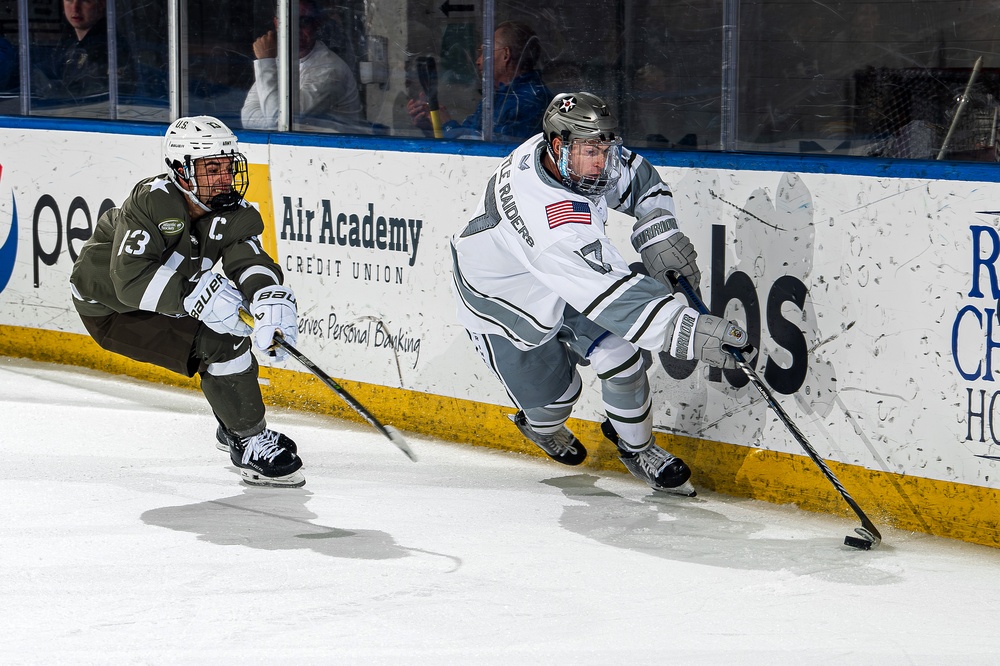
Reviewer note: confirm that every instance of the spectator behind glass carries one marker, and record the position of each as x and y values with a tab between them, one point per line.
79	65
519	97
327	87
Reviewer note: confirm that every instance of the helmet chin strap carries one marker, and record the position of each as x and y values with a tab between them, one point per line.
197	201
563	163
176	178
561	160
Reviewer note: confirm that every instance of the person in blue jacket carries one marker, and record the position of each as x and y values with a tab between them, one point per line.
519	97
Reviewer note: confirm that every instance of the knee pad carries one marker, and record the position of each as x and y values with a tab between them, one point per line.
620	366
222	354
236	366
624	388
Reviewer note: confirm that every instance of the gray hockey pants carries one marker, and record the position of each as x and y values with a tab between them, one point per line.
544	382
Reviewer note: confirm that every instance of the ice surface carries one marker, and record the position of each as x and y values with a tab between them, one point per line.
127	538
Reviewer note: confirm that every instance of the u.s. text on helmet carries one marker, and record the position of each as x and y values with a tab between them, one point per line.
205	162
589	153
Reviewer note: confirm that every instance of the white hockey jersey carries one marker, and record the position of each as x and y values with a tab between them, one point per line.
535	246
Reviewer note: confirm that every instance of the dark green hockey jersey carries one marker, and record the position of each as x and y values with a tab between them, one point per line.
147	254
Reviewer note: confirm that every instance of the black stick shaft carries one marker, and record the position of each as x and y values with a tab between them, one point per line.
391	433
866	524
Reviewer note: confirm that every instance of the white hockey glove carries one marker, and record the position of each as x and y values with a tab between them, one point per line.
709	339
275	314
664	249
216	302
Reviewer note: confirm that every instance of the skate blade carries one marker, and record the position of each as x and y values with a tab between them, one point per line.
222	446
293	480
684	490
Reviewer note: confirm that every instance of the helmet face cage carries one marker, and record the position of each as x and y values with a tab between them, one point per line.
575	152
190	147
584	124
215	192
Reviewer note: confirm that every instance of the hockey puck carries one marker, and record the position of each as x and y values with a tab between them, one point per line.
855	542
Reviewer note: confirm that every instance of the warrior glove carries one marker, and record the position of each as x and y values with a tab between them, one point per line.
665	249
709	339
216	302
275	314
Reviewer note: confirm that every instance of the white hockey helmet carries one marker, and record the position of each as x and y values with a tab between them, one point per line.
583	122
199	137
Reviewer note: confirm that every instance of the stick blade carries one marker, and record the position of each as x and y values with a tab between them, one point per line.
396	438
867	541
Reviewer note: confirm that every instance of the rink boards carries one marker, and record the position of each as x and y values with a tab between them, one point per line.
874	299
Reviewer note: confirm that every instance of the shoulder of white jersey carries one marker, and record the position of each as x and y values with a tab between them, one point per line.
531	142
630	160
522	158
620	194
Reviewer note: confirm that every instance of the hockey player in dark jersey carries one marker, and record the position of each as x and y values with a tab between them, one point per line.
541	289
145	287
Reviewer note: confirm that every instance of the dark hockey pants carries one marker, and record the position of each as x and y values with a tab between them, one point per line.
184	345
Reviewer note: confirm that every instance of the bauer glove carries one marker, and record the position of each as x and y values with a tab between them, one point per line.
275	314
216	302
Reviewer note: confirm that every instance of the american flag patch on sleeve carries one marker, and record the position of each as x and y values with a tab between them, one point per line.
567	212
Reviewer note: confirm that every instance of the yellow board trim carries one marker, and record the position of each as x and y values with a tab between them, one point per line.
259	192
959	511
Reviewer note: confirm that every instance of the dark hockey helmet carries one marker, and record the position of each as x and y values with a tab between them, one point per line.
195	146
589	157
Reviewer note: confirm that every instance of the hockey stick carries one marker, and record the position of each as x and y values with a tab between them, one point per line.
427	73
388	431
961	107
870	535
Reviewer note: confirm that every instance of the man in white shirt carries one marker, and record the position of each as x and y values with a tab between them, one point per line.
541	289
327	87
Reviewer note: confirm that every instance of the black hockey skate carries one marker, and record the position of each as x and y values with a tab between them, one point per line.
266	459
226	438
563	446
656	467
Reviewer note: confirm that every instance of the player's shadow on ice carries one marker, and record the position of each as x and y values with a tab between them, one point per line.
275	519
681	528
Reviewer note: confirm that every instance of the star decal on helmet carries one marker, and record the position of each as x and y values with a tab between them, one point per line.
567	104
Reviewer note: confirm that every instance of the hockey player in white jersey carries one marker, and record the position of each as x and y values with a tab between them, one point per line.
541	289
